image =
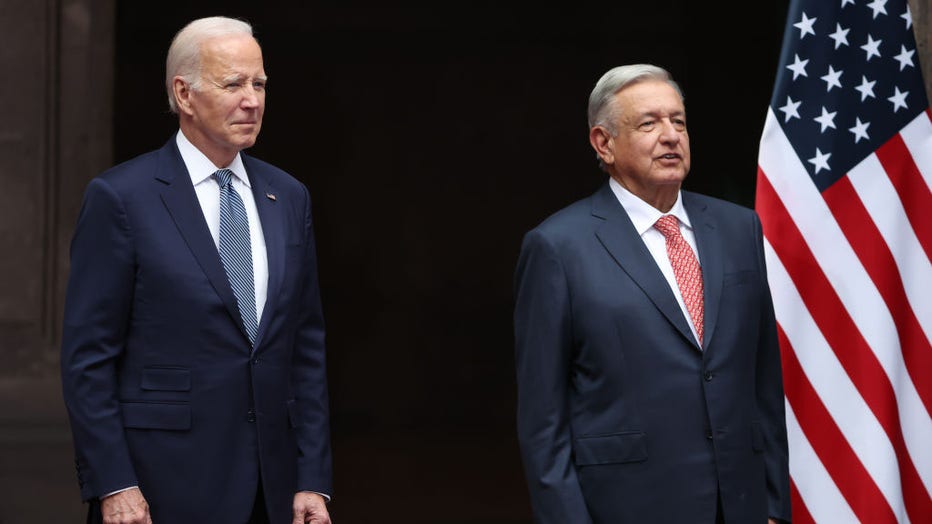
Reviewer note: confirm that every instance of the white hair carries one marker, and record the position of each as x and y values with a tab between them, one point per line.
601	111
184	54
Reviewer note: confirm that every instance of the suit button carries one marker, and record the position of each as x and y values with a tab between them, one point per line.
708	376
708	435
251	415
255	361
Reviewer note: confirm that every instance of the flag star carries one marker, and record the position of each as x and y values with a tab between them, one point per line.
826	120
898	99
791	109
832	79
798	67
878	6
905	58
840	36
860	130
846	2
866	88
820	161
908	16
805	26
872	47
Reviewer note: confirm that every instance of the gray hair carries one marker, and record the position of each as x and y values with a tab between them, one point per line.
184	54
602	111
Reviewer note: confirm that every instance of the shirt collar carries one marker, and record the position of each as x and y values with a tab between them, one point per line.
200	167
644	215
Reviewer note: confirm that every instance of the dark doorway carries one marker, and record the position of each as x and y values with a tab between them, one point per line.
431	138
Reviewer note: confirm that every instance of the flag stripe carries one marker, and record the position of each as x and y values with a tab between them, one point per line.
801	513
871	249
918	138
817	492
835	389
913	194
843	465
880	198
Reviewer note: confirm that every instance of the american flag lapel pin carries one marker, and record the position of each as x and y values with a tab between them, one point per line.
271	196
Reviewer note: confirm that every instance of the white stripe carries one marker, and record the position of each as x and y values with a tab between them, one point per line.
883	203
834	387
918	137
819	493
850	280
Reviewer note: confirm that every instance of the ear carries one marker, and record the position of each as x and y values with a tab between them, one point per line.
601	141
182	93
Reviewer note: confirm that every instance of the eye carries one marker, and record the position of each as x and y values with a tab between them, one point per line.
233	86
679	124
646	125
258	86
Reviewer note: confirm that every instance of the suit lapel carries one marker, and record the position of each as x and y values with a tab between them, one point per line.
618	236
709	245
270	217
182	204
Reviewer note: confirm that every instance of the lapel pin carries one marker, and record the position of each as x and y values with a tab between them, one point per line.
271	196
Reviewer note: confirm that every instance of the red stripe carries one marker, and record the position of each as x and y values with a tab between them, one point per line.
833	450
842	335
875	255
915	195
801	513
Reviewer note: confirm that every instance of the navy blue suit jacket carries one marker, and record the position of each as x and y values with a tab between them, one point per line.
622	418
161	384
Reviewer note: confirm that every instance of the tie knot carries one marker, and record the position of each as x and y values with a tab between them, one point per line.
223	176
668	225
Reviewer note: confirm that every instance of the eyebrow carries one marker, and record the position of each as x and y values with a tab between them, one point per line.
236	78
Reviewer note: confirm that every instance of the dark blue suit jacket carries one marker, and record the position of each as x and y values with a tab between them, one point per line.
622	418
160	382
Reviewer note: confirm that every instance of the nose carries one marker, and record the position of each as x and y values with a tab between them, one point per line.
669	133
251	98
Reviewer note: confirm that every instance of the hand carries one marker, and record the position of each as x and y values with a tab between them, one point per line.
125	507
309	508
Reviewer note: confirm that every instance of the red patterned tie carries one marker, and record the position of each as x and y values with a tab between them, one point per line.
685	268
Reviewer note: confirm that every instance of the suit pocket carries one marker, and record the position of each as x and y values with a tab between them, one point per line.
611	449
166	379
156	415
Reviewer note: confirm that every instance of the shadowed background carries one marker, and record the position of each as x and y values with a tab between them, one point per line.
431	138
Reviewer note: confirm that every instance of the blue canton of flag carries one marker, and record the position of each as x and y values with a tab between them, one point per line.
849	80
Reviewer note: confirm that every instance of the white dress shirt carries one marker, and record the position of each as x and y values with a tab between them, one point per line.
644	216
201	170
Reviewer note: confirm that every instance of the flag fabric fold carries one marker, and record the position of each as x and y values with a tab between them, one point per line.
843	192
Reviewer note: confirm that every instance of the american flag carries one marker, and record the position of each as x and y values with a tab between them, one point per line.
843	191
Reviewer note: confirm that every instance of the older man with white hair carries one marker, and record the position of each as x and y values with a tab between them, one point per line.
193	359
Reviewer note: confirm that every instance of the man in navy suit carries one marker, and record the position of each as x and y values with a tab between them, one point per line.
639	402
188	404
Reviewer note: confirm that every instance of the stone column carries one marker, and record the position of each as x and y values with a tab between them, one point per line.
55	135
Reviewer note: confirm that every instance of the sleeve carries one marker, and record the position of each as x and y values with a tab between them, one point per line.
97	309
543	355
770	400
309	377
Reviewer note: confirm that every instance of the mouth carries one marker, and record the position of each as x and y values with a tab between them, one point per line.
669	156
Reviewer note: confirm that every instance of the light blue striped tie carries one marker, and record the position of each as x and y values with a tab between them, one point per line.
236	251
